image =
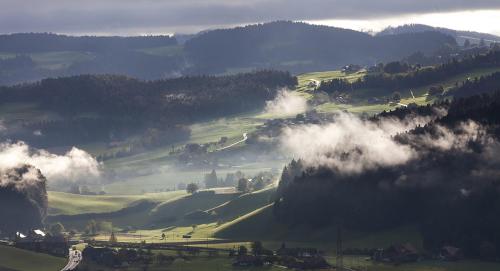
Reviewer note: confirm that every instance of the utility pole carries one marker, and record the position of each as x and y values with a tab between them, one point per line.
340	258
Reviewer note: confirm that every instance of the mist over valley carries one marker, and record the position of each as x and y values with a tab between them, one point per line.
289	143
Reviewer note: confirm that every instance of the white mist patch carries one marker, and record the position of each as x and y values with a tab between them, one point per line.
76	165
444	139
286	103
349	145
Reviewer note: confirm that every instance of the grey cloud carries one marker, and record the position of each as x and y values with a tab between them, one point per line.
122	16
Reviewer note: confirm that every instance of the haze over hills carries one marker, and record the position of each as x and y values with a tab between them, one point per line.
296	47
261	147
293	46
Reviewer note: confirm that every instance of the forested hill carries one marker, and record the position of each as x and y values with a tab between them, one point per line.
283	45
301	46
24	43
396	75
34	56
93	107
191	97
448	188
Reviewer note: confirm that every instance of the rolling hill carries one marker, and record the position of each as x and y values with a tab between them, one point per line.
155	209
301	47
460	36
296	47
72	204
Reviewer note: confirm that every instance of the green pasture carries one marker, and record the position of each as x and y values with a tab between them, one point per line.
14	259
72	204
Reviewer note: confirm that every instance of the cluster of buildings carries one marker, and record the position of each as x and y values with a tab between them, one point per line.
39	241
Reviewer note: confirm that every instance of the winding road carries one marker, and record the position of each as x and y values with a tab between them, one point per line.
74	258
245	137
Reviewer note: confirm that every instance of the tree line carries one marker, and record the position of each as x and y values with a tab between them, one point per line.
23	43
396	76
108	107
450	194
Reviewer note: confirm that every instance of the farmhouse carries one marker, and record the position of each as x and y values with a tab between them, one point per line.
38	241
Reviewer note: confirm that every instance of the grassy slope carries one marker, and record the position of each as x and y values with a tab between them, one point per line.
168	212
197	202
168	217
23	260
71	204
243	205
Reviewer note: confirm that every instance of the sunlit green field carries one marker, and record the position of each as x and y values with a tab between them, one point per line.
305	78
232	127
14	259
71	204
224	207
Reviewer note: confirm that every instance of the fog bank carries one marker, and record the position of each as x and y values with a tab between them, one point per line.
74	166
286	103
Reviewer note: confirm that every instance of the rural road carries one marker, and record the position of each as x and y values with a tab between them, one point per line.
74	259
245	137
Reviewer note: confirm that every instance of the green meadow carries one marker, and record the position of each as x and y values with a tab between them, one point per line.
14	259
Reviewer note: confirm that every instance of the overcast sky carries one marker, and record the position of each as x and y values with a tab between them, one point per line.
132	17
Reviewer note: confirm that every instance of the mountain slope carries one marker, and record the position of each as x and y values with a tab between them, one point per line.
302	47
459	35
